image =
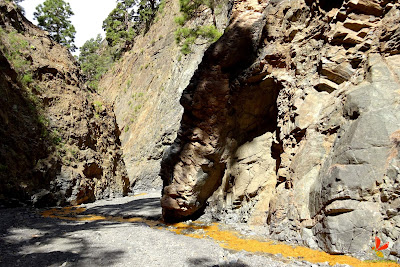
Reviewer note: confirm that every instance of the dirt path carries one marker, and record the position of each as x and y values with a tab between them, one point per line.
115	232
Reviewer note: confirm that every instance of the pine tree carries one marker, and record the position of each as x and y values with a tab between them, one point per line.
117	23
53	16
89	56
128	18
147	12
95	59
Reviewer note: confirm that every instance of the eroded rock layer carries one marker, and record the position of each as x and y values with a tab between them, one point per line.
292	121
59	140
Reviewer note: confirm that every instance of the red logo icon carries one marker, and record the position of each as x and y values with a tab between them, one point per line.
378	248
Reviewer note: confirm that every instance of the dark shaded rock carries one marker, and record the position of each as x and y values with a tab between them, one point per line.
213	107
58	139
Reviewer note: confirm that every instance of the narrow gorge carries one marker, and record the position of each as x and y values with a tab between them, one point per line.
289	123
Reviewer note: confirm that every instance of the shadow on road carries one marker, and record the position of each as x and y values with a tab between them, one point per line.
148	208
206	262
28	239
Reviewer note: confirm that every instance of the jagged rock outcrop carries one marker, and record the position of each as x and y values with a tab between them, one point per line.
59	141
291	121
145	87
211	119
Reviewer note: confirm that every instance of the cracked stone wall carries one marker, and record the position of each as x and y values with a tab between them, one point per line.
291	121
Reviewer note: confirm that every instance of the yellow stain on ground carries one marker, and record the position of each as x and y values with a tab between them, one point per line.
226	238
232	240
74	214
139	195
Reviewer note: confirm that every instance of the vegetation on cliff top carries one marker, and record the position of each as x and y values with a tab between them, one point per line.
128	19
95	59
186	36
16	50
53	16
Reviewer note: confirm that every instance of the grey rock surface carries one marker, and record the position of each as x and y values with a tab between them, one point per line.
320	87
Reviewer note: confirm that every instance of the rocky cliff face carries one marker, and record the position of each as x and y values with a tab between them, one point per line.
59	141
145	87
292	121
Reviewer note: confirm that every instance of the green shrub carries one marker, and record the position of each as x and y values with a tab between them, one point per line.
98	106
209	32
186	37
188	8
94	85
42	120
180	20
55	137
185	49
16	50
161	7
27	79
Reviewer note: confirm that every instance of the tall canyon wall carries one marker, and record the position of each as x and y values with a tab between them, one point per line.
145	87
292	121
59	141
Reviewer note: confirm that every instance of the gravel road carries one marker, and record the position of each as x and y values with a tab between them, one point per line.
29	239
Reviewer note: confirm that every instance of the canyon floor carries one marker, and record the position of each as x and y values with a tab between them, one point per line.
119	232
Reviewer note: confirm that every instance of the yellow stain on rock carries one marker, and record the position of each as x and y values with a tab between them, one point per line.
226	238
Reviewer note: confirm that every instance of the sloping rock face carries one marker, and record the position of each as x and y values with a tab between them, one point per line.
145	87
292	121
59	141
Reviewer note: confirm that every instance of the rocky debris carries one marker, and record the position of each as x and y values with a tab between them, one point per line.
145	87
291	121
59	140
